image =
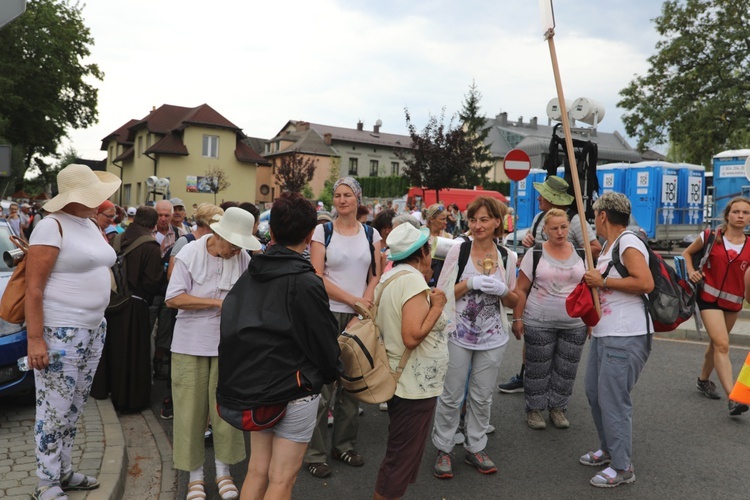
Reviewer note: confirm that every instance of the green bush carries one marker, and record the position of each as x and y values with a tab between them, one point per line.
502	187
383	187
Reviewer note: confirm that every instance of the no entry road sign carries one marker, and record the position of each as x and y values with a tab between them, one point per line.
516	164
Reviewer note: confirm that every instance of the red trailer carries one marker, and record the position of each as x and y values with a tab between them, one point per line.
461	197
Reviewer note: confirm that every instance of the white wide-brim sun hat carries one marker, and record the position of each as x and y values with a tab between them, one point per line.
79	184
236	226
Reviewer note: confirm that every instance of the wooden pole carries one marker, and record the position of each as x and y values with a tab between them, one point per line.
550	36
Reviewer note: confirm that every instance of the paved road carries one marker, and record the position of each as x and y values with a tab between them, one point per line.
685	446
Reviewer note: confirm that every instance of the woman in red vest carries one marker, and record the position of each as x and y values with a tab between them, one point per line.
721	294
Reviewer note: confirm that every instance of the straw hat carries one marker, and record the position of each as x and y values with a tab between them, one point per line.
405	240
555	191
236	226
79	184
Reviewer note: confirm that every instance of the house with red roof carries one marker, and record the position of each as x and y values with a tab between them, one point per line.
182	145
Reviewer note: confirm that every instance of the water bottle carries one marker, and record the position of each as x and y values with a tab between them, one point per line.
53	354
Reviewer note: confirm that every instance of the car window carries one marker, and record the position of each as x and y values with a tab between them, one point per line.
5	245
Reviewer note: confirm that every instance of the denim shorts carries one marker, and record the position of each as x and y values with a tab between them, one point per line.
299	422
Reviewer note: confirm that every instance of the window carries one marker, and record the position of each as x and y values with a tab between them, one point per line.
126	194
148	141
140	146
138	193
373	168
353	166
210	146
394	168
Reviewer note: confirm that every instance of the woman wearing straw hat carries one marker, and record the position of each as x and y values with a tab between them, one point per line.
68	283
203	273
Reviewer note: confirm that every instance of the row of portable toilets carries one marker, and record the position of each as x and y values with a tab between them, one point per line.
659	192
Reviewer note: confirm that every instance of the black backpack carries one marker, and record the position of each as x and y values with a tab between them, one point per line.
465	252
121	292
672	301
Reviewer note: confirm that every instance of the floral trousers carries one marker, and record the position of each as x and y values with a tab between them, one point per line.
61	393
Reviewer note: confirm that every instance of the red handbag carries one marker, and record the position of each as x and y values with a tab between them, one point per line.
580	304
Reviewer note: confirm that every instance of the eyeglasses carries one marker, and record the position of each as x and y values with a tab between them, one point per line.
107	215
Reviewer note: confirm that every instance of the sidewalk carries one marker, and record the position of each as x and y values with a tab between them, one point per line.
739	337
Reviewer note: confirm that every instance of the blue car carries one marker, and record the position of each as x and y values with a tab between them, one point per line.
12	337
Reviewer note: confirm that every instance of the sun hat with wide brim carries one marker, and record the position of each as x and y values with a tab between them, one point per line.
405	239
236	226
554	190
79	184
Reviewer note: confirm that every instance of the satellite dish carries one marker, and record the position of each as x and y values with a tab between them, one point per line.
379	123
747	168
162	184
553	108
587	111
151	181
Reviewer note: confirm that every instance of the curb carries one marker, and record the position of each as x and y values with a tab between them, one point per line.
115	459
168	473
690	334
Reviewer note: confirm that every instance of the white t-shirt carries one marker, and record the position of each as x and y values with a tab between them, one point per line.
347	263
623	314
479	325
424	373
77	290
555	280
729	246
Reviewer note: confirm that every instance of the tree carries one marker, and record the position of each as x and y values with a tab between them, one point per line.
217	179
477	131
326	195
295	171
440	157
44	87
695	92
47	178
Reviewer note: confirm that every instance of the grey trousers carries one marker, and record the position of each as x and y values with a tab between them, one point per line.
613	368
480	369
345	416
552	356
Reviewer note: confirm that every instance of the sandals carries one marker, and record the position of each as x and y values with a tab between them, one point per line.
196	491
84	482
604	480
320	469
595	458
349	457
45	493
227	489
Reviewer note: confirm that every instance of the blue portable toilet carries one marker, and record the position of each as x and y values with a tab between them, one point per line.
612	177
527	204
729	177
652	190
691	188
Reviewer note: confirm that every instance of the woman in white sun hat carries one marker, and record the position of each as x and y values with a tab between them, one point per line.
68	282
204	272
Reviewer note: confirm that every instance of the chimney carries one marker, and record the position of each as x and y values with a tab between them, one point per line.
376	128
520	120
532	123
327	139
502	118
360	125
303	126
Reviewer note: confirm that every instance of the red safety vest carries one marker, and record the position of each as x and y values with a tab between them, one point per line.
725	279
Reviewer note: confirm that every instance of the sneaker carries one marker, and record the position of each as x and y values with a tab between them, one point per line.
481	461
708	389
736	408
383	407
557	416
535	420
459	438
603	479
167	410
319	470
443	466
595	458
349	457
330	418
515	384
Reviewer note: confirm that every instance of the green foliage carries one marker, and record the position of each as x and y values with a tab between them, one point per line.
326	195
384	187
47	175
44	87
441	155
696	91
499	186
307	192
477	131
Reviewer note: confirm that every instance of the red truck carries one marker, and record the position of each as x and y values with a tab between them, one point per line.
461	197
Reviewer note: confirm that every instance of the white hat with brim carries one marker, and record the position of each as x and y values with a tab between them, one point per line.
555	190
406	239
79	184
236	226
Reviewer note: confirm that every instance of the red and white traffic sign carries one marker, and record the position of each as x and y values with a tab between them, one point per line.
516	164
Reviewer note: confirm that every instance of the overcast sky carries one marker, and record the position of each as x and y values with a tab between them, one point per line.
262	63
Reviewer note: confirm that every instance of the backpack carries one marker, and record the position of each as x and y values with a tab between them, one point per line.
328	234
537	256
367	375
700	258
465	252
671	302
121	292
